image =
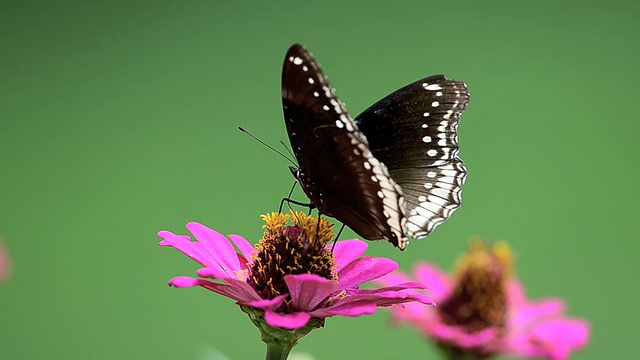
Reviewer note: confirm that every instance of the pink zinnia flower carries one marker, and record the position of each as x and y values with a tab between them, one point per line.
482	311
290	280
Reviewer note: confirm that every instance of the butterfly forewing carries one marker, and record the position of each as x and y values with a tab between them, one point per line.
413	131
337	170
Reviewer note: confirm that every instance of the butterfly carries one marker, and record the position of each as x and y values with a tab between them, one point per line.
391	173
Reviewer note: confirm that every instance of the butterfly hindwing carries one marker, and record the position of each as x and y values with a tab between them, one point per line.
413	131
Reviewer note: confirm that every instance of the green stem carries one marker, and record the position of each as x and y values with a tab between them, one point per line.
279	351
279	341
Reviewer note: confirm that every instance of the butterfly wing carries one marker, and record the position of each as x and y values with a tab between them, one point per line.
413	131
336	169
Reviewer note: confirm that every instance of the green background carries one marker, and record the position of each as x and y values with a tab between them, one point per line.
118	119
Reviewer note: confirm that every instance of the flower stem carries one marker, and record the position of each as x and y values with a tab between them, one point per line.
279	341
452	353
278	351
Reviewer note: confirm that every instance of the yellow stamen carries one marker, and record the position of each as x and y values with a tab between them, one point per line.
274	221
482	256
339	296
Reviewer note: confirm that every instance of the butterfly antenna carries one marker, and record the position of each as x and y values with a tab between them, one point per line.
286	148
267	145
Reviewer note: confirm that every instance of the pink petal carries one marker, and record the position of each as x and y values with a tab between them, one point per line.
365	269
244	263
184	244
381	297
234	290
436	280
561	336
347	308
246	292
516	294
402	286
217	246
288	321
242	244
347	251
573	331
218	273
308	290
269	303
388	300
214	272
185	281
413	313
416	313
520	345
523	316
396	277
459	336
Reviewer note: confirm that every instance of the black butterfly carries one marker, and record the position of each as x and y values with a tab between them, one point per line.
392	173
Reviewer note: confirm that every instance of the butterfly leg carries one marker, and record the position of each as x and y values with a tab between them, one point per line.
291	201
318	223
336	239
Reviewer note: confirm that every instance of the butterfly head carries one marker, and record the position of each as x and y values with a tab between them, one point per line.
295	171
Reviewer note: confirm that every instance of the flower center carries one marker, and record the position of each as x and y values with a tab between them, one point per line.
479	298
290	249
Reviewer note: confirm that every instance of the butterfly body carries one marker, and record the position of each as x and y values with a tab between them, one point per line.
359	171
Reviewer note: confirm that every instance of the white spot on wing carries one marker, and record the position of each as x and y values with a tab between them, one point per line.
448	114
431	87
347	122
